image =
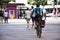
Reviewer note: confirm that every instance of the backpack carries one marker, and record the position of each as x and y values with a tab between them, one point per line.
38	16
37	11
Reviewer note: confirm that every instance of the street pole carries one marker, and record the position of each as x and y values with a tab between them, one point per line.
57	8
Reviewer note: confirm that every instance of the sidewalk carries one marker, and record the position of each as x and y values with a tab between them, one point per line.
51	15
49	20
52	20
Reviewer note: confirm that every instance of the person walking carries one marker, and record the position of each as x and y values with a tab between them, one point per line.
27	16
44	13
54	11
6	16
1	17
32	17
38	14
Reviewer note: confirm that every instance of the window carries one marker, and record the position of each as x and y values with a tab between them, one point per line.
55	2
49	10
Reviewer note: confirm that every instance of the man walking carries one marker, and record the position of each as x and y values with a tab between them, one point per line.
34	13
6	16
1	17
27	16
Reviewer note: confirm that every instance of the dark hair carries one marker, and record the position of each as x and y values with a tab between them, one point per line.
55	9
37	5
28	2
32	7
27	8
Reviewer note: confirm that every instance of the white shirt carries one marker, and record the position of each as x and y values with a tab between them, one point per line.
27	13
44	11
6	14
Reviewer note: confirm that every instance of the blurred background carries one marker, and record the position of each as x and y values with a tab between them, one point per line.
21	5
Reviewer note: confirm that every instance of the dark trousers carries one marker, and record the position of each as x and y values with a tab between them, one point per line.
6	19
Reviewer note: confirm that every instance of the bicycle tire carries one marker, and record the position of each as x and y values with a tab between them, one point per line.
40	32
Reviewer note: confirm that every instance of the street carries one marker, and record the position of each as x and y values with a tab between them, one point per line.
15	12
20	32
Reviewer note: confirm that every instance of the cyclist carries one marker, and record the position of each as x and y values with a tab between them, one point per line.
34	12
38	14
27	16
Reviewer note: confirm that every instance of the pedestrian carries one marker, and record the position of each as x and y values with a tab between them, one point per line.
32	17
1	17
27	16
34	13
20	14
23	14
44	13
44	17
38	13
54	11
6	16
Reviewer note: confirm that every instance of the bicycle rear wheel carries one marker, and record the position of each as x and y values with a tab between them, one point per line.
40	31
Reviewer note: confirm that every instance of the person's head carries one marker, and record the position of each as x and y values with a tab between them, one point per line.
32	7
28	2
27	8
37	5
55	9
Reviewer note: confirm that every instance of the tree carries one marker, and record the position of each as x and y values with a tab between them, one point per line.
41	2
1	3
29	0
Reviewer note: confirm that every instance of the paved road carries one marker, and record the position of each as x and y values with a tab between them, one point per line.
20	32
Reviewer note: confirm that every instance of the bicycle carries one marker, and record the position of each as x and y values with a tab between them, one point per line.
39	25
